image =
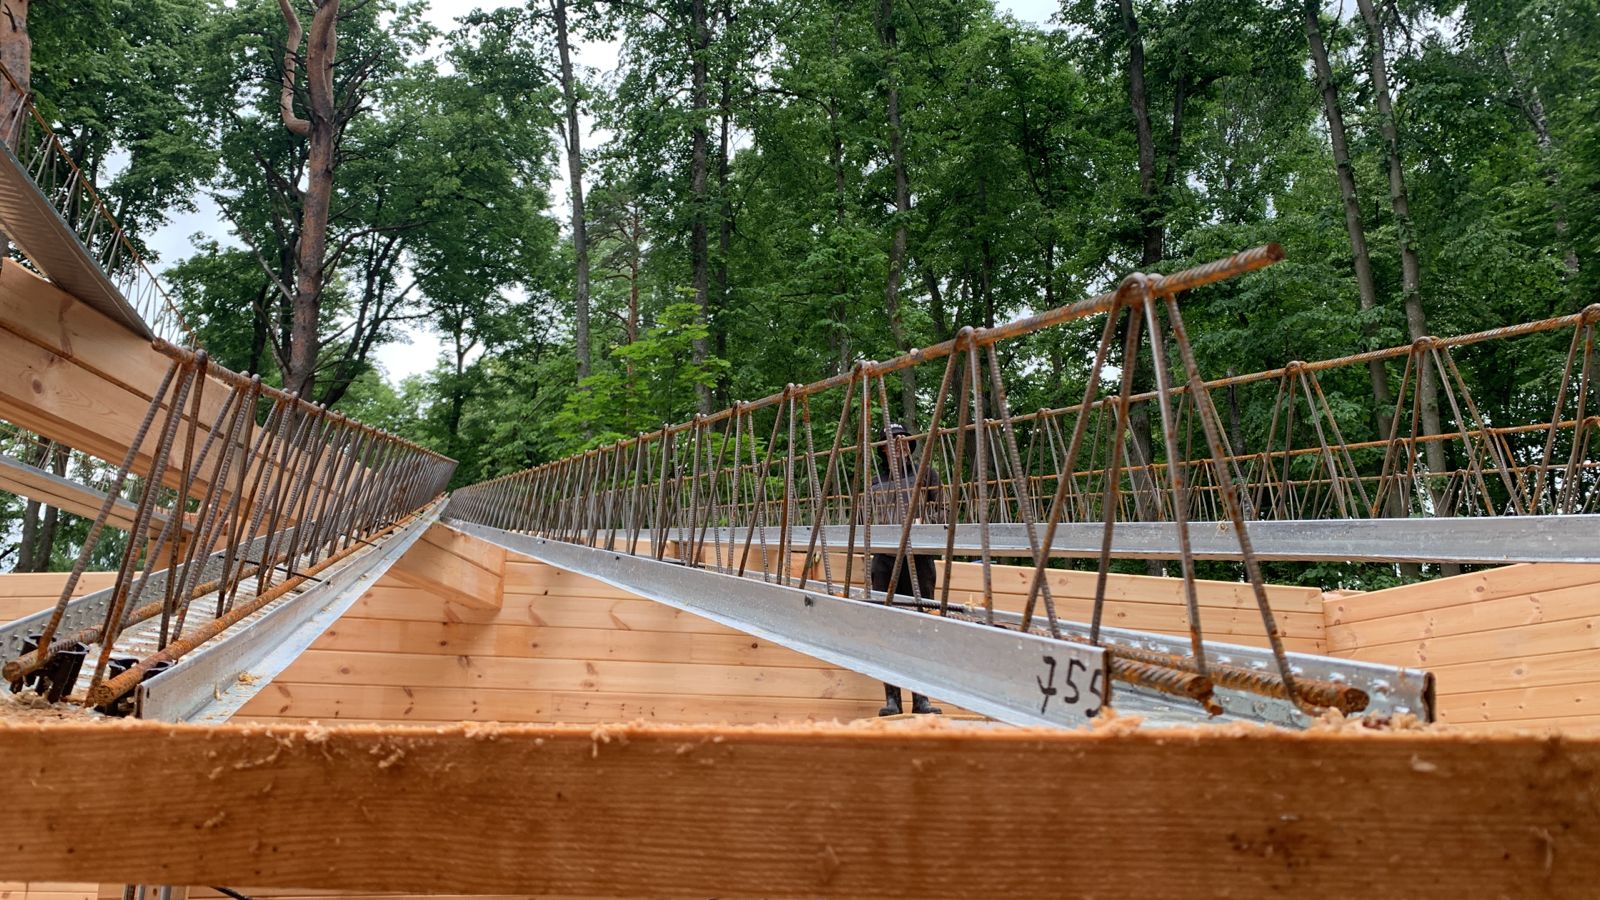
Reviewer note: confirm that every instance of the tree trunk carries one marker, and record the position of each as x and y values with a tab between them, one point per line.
936	308
1410	267
1149	215
985	254
45	545
580	234
458	392
1152	240
724	203
320	128
902	207
636	245
839	335
1366	288
699	251
30	536
16	54
33	550
258	329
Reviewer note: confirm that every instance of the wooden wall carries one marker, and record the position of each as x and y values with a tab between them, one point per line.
18	890
1228	610
1513	646
23	594
1516	646
556	647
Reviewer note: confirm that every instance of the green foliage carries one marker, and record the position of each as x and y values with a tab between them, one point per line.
1021	161
653	384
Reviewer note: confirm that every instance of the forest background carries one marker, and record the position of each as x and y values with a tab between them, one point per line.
783	187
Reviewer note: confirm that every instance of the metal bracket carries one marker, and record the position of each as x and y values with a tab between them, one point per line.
36	227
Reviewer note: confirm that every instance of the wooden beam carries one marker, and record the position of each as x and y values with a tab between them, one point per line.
520	641
1512	704
394	599
1473	587
427	703
511	673
481	553
74	376
23	594
1569	667
876	812
70	374
447	564
1513	612
50	489
1506	643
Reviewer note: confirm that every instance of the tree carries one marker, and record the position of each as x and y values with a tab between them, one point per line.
16	52
890	39
1366	287
325	118
580	237
1410	265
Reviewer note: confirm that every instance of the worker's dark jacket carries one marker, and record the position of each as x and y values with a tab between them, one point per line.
890	500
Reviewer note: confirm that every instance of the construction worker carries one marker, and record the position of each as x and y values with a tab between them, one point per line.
892	497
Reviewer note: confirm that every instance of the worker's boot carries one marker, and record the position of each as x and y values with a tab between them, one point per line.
921	706
891	701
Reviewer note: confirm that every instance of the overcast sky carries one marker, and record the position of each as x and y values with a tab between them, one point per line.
418	353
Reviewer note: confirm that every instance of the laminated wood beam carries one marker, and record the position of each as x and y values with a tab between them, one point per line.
50	489
74	376
1479	646
393	601
1511	704
480	553
1553	605
521	641
506	673
1569	667
1474	587
448	564
805	811
428	703
70	374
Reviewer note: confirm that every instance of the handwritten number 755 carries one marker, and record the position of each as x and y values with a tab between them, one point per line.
1048	689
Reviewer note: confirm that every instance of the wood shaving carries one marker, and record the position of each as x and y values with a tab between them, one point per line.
28	706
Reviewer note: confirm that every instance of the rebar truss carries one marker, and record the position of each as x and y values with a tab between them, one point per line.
725	496
274	494
1015	675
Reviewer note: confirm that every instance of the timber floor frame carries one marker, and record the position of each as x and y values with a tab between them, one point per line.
920	810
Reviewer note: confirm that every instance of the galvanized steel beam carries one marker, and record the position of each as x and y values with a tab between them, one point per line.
1024	679
50	489
974	665
1478	541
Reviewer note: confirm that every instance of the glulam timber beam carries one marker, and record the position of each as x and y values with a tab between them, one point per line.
459	567
50	489
923	811
71	374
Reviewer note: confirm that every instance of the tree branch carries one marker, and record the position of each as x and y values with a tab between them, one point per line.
291	61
